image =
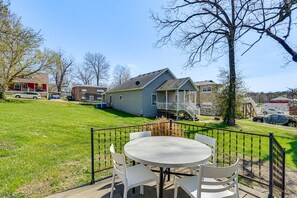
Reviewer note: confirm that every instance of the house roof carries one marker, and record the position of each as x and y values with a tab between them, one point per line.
39	78
90	86
139	82
280	98
205	82
175	84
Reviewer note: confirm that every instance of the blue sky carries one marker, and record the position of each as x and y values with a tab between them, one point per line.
122	31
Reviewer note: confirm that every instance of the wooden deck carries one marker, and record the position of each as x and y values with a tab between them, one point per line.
102	189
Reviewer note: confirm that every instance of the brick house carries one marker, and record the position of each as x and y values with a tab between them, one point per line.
37	82
207	97
88	93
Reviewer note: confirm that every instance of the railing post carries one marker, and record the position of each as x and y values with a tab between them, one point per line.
284	172
270	195
170	127
92	156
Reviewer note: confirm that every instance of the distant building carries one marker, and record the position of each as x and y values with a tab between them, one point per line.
153	93
88	93
37	82
208	97
280	99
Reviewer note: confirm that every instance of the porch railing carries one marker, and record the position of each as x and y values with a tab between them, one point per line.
190	108
262	159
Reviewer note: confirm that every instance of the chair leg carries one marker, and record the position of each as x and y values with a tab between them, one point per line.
157	187
141	190
112	185
125	192
175	190
192	170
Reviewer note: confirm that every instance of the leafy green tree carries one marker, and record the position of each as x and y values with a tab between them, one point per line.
241	93
20	53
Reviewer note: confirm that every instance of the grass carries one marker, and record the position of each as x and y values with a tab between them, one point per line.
45	145
286	136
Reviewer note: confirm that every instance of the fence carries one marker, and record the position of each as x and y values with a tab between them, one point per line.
262	157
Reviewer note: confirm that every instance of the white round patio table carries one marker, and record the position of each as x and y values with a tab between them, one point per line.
167	151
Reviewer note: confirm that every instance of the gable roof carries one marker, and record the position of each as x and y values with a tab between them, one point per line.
38	78
205	82
280	98
90	86
140	82
175	84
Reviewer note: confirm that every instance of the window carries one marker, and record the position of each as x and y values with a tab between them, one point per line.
16	86
100	91
39	86
84	90
206	105
154	99
206	89
121	98
110	99
99	98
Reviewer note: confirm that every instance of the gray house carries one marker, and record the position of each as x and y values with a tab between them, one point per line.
150	93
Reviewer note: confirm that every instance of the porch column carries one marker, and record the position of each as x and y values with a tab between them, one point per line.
34	87
195	99
184	96
21	84
166	99
177	103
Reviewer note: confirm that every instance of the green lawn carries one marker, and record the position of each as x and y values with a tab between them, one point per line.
286	136
45	145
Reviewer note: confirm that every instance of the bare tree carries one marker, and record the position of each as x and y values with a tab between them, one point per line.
293	92
207	30
84	74
61	69
100	66
20	55
121	74
274	18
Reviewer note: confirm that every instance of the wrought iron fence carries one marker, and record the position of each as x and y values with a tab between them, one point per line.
262	157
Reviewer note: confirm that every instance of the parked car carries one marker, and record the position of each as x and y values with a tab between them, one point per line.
31	95
279	119
55	96
272	111
70	98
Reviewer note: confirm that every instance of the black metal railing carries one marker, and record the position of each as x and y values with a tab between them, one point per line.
277	168
262	157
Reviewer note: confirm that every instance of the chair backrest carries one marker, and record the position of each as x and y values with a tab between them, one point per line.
119	163
228	179
142	134
211	142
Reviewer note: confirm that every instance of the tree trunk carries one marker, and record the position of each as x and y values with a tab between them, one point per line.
3	91
229	118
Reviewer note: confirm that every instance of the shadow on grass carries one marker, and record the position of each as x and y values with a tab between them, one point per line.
121	113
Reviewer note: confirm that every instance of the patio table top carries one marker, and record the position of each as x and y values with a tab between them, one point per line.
167	151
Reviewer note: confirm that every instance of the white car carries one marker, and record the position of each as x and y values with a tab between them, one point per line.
272	111
31	95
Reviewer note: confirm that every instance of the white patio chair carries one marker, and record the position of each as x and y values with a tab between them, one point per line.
212	142
205	185
131	176
142	134
137	135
